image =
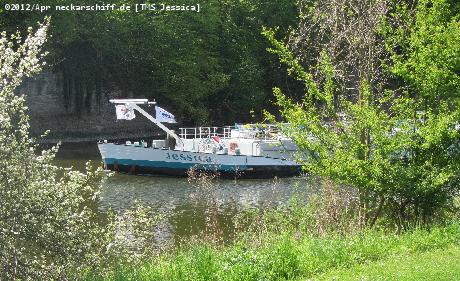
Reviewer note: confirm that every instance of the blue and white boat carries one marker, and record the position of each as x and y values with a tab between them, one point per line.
249	151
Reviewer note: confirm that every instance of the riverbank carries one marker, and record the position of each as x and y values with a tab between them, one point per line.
291	256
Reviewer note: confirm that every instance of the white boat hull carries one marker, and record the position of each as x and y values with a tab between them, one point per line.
156	161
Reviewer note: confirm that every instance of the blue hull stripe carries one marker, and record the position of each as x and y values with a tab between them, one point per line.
172	165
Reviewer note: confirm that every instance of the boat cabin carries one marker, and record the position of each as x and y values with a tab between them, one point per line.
249	139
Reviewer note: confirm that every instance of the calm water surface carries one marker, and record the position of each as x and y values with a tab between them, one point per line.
185	204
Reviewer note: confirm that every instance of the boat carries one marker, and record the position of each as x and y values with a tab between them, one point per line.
242	151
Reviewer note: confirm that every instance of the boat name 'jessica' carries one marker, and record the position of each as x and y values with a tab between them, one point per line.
188	157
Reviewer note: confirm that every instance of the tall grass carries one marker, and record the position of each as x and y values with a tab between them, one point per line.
296	241
283	256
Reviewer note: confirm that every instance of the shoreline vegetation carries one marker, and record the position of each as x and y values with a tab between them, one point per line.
419	254
318	238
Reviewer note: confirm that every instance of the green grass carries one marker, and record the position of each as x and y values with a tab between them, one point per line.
283	257
439	264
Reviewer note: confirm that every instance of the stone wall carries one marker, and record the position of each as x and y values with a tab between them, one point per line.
45	99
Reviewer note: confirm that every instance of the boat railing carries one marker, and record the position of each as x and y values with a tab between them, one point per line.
257	131
206	132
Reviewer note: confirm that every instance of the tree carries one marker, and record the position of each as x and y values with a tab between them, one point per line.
209	65
425	46
400	153
48	223
345	31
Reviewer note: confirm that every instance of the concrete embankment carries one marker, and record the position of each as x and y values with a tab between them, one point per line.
97	120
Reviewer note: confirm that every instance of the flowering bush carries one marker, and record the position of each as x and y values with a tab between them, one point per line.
47	225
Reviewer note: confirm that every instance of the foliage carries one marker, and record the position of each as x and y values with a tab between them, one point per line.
50	226
205	183
287	243
400	152
425	48
344	30
209	65
329	209
45	226
280	256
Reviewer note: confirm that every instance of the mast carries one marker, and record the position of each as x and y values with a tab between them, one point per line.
133	104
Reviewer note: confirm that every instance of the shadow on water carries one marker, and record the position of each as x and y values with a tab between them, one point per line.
184	205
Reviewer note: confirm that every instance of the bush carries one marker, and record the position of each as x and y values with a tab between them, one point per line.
49	224
398	148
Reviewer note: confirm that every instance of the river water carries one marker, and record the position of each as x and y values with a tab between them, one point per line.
184	204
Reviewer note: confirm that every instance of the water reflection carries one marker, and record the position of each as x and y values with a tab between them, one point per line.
186	205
